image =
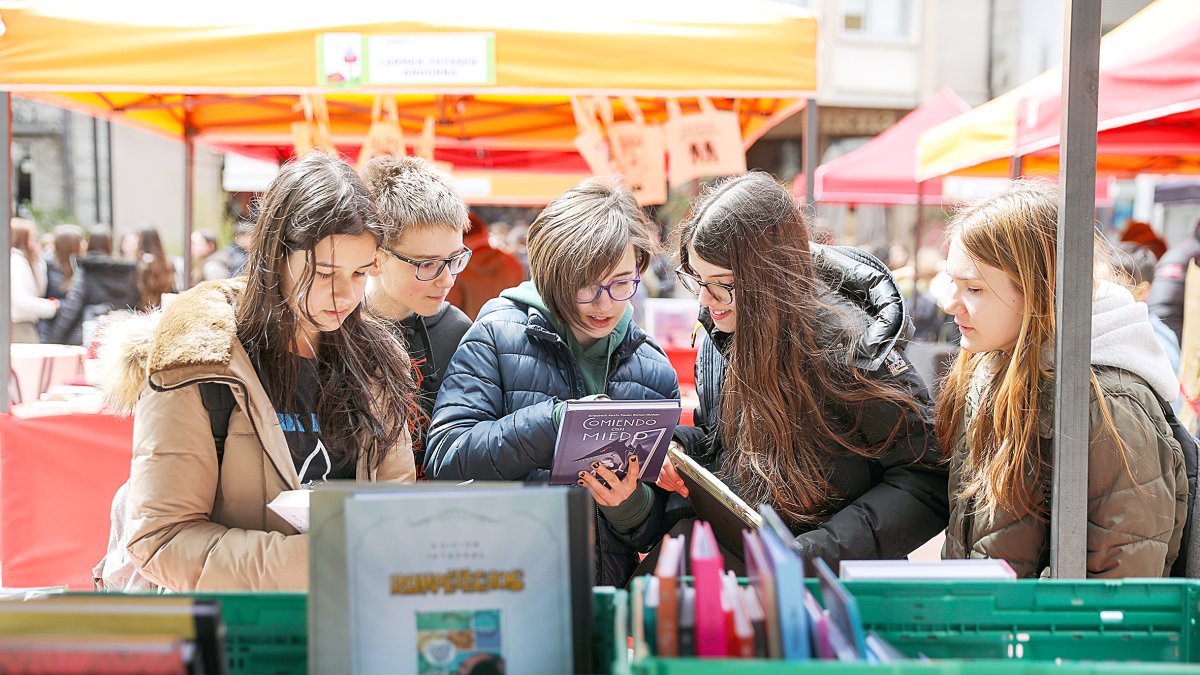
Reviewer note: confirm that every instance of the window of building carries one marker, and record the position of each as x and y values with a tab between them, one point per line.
890	19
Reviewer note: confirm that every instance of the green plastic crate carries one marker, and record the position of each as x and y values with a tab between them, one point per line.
1150	620
265	632
1007	667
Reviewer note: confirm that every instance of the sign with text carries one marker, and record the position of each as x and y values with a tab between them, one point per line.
411	59
431	58
638	152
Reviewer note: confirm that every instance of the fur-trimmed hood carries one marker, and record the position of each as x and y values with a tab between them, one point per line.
197	330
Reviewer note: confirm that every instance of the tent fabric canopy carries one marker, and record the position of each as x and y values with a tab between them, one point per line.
881	171
230	73
1149	108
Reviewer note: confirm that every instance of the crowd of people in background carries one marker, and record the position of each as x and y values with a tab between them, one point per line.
455	344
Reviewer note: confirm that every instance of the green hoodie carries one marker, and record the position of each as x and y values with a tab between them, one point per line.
593	363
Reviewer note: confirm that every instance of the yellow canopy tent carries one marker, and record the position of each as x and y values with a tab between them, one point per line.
1149	95
229	72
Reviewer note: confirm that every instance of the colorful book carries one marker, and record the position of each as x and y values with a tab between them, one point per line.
741	630
608	432
788	570
687	622
762	582
669	572
842	608
758	619
707	568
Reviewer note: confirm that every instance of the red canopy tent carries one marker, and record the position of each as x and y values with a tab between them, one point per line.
1149	102
883	171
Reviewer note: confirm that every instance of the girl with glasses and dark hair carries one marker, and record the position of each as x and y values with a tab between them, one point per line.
806	400
319	391
566	334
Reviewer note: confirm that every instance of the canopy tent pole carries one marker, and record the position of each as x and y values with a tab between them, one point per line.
811	148
1015	167
6	202
189	170
914	296
1073	283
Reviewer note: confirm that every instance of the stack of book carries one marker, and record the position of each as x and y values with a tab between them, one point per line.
711	614
111	633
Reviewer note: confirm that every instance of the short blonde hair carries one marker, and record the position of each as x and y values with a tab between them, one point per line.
579	237
411	192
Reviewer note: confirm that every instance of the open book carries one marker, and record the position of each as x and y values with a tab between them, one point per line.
715	502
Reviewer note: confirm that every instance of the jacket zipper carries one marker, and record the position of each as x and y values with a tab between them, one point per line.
968	519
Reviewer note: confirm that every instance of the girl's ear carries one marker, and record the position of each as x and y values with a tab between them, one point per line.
375	269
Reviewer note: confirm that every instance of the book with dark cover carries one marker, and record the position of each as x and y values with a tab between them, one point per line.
608	431
716	503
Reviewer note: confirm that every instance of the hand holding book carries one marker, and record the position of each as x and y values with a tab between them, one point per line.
668	477
606	488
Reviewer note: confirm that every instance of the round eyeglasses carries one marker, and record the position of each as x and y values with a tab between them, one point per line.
431	268
619	290
722	293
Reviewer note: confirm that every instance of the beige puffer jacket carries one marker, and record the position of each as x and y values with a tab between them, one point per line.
1135	516
193	527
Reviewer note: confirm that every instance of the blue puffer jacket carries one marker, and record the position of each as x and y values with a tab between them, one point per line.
494	416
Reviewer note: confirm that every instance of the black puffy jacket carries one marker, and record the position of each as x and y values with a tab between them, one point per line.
1166	293
494	416
101	285
891	504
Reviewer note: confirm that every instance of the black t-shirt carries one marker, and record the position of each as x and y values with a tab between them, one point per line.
430	342
299	422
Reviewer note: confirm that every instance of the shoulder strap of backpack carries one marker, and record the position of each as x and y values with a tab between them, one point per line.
1186	565
219	402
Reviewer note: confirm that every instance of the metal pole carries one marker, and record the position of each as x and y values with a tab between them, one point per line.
189	177
1073	301
914	297
6	204
811	149
1014	167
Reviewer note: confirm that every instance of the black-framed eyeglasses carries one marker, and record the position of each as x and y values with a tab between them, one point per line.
619	290
431	268
722	293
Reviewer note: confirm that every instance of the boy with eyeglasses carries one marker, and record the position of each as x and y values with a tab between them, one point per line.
421	255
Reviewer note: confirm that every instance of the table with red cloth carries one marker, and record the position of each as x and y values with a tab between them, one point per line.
59	470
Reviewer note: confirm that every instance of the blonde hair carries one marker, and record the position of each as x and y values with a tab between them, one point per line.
1017	233
579	237
412	193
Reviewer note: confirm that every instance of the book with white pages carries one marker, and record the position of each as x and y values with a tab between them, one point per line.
926	570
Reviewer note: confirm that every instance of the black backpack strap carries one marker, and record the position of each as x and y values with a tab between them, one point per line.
219	401
1186	565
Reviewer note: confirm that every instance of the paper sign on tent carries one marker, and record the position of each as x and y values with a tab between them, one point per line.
638	153
385	137
708	143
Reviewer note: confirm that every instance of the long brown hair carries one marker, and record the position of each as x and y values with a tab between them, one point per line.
68	241
792	392
22	237
1017	233
155	274
366	385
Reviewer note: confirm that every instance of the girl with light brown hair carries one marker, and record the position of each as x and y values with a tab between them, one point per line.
995	410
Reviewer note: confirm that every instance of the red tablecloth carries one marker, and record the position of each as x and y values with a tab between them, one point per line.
58	474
